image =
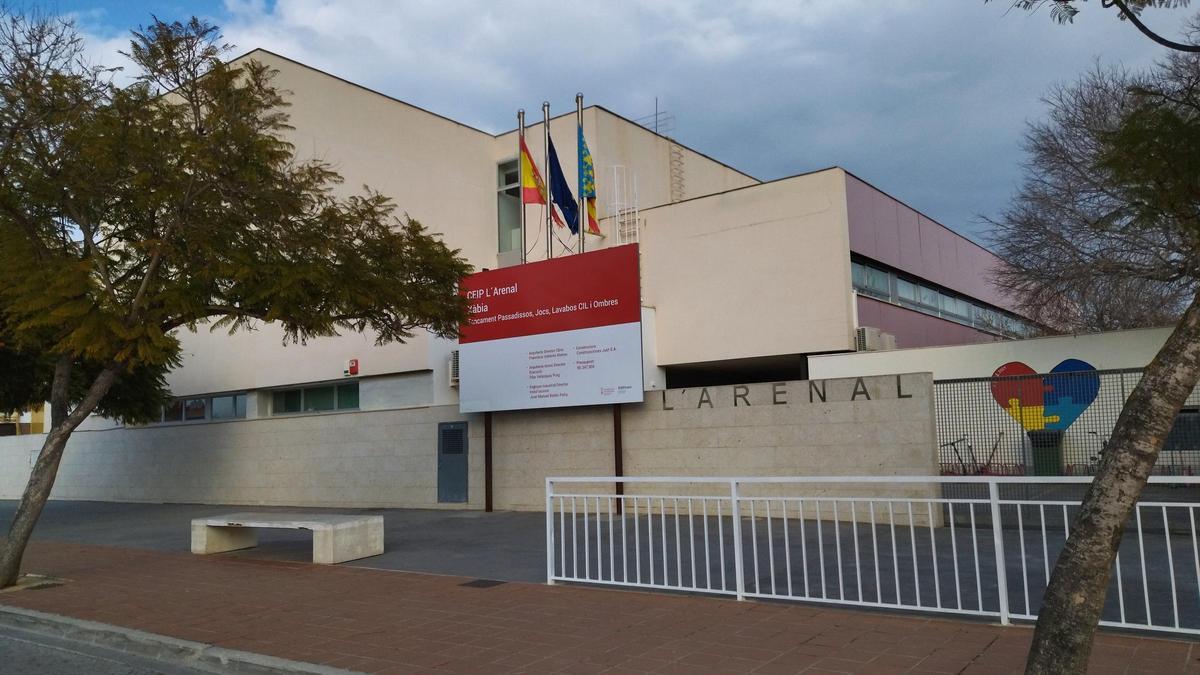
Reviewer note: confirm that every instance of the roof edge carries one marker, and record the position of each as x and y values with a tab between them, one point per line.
362	87
764	183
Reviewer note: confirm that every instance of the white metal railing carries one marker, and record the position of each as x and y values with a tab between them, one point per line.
980	545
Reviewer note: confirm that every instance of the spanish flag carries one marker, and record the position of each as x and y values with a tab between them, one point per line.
533	188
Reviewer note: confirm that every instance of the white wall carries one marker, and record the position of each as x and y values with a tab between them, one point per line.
1105	351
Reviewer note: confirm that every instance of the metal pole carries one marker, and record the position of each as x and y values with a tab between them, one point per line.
738	563
998	542
521	177
583	215
487	462
618	454
549	532
546	174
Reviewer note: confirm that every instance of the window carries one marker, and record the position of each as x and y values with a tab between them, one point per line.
318	399
195	409
322	398
928	296
199	408
871	280
286	401
228	407
508	207
956	306
878	282
173	411
347	396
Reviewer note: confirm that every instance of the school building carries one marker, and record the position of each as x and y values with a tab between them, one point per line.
743	283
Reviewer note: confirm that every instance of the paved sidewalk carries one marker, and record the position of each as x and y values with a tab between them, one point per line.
401	622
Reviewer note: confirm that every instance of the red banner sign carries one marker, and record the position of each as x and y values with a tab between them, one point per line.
600	288
563	332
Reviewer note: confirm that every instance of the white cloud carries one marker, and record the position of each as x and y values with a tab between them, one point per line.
927	99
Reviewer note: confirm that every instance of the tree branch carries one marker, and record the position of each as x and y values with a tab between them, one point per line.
1133	18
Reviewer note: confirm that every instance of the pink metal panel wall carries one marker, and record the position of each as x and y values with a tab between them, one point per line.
914	329
884	229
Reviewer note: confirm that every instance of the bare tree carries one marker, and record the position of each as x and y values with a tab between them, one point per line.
1111	204
1106	304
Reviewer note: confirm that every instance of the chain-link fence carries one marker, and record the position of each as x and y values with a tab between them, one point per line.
1047	424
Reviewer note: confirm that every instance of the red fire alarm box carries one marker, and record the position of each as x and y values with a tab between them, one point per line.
351	367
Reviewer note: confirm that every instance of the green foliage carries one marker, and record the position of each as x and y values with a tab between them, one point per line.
1153	155
1064	11
136	395
129	212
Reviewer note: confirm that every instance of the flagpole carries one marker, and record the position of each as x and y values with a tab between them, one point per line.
546	173
583	211
521	177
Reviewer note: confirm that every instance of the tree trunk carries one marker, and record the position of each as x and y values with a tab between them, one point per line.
45	470
1075	596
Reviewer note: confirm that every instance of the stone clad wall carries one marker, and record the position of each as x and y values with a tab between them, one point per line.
864	426
358	459
869	426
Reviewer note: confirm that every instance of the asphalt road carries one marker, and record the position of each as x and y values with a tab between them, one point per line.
27	653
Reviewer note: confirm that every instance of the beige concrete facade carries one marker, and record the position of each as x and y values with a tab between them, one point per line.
733	269
726	273
443	174
876	426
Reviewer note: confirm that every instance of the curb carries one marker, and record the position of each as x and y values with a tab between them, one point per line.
159	647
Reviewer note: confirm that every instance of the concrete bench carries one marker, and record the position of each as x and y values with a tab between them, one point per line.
336	538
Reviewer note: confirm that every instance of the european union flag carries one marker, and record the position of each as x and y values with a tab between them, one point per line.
560	192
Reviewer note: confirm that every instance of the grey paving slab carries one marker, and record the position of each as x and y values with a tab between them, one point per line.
504	545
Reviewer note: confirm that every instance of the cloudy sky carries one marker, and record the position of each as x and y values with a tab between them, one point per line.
927	99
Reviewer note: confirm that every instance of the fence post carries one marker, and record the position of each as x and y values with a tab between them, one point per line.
998	538
738	563
549	531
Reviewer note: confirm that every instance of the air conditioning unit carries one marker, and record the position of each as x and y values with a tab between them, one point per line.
452	368
868	339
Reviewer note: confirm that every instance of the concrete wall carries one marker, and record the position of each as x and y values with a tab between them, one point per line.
388	457
359	459
759	271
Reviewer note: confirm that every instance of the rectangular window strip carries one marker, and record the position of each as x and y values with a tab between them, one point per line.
885	284
321	398
508	207
200	408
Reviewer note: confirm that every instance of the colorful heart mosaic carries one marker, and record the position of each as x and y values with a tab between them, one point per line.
1052	401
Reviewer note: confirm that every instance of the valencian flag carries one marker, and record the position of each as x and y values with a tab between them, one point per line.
587	183
533	189
560	192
